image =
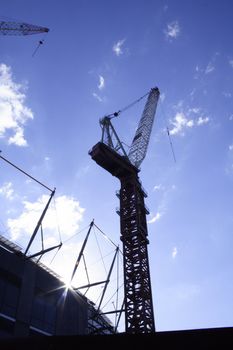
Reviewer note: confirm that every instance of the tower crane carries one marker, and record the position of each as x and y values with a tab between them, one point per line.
110	154
20	28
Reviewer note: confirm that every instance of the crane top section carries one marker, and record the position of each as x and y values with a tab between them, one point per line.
138	148
16	28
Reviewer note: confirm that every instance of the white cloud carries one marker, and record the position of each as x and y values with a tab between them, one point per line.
179	105
181	122
117	48
101	82
173	30
210	68
202	121
68	214
7	190
192	93
190	123
14	113
231	117
231	63
231	147
194	110
97	97
18	138
154	218
162	97
157	187
174	252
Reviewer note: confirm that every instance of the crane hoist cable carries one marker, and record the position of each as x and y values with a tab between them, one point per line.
168	134
116	114
172	148
40	42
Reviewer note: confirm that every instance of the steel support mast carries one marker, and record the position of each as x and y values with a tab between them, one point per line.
139	316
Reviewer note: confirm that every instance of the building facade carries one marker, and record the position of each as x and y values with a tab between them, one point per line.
35	301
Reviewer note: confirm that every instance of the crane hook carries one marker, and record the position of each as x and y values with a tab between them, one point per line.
39	44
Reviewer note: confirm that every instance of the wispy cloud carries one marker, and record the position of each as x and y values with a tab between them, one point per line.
180	122
14	113
211	64
210	68
154	218
165	195
118	47
227	94
174	252
67	209
7	190
184	121
229	163
197	71
162	96
173	30
95	95
231	63
157	187
101	82
202	120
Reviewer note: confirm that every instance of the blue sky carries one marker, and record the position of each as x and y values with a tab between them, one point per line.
98	57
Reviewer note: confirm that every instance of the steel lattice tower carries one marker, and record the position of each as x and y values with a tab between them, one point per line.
139	316
138	295
110	155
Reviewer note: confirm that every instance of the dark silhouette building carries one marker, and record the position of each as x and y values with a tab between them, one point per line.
35	301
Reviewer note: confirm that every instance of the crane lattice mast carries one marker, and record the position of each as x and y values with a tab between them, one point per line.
20	28
110	154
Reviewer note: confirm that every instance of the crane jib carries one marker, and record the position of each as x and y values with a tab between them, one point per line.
137	136
17	28
138	148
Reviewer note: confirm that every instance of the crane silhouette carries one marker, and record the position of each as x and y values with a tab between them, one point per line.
110	154
20	28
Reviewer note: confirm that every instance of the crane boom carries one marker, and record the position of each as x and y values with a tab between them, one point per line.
141	139
17	28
